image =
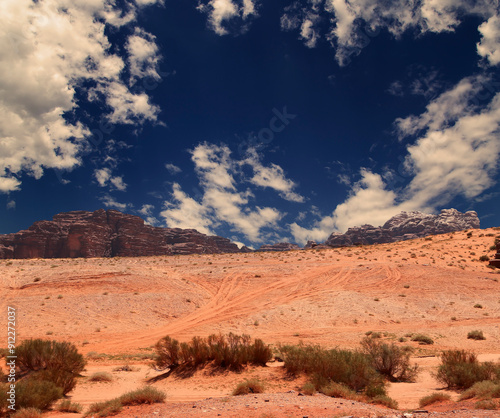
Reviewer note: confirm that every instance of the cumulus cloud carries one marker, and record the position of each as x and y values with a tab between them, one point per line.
147	212
354	22
223	12
272	176
489	46
455	153
226	198
50	49
105	178
185	212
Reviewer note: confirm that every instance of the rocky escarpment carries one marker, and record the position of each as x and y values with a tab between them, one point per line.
106	233
280	246
496	261
406	225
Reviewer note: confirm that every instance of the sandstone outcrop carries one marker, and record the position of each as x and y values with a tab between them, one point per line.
406	225
106	233
496	261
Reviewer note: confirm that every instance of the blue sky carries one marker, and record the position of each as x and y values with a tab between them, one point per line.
258	121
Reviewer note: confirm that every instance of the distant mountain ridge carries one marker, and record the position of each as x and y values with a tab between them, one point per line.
106	233
404	226
110	233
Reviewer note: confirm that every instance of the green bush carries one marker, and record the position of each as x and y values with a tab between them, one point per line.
104	409
385	401
484	258
248	386
27	413
487	404
390	360
422	339
308	388
231	352
433	398
460	369
482	390
338	390
476	335
147	395
39	394
352	368
58	362
67	406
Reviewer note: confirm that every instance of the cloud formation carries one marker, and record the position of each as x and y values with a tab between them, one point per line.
354	22
221	13
49	49
456	153
226	197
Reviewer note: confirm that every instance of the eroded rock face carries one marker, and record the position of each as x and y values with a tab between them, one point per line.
280	246
496	261
406	225
106	233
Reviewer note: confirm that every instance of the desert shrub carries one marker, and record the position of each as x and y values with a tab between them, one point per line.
308	388
101	377
65	380
433	398
58	362
390	360
385	401
486	404
39	394
476	335
460	369
374	390
104	409
147	395
338	390
231	351
352	368
167	350
484	258
248	386
484	389
67	406
422	339
27	413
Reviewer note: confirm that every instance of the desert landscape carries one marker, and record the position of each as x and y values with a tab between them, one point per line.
114	310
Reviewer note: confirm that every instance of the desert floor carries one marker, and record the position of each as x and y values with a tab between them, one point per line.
115	310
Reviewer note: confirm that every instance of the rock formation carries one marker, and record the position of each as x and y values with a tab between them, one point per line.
280	246
406	225
106	233
496	261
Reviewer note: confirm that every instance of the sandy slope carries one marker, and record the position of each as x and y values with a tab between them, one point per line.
330	297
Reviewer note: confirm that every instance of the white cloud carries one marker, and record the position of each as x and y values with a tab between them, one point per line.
111	202
489	46
272	177
355	22
185	212
221	12
147	212
11	204
223	200
172	168
48	49
143	54
455	154
105	178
